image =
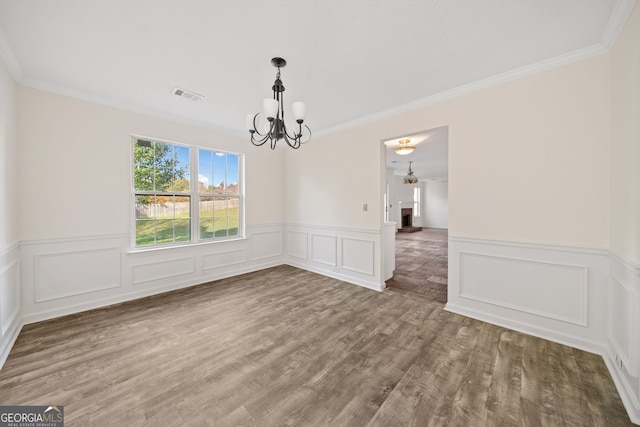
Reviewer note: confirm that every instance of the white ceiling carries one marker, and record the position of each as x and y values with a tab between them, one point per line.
430	158
350	60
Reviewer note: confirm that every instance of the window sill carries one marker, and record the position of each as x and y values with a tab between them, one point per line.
134	251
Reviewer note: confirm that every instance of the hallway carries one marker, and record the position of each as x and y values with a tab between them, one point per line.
421	264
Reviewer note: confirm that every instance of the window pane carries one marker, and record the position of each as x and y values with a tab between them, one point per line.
220	206
183	230
219	162
232	184
145	232
204	161
233	225
181	169
220	226
163	155
234	206
233	164
143	153
205	179
144	207
164	231
143	178
182	207
164	179
206	207
218	183
206	228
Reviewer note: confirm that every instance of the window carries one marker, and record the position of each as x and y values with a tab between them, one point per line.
184	194
416	201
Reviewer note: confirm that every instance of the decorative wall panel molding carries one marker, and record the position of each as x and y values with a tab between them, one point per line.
64	274
265	244
324	249
623	332
297	242
545	289
554	292
358	255
163	269
342	253
224	259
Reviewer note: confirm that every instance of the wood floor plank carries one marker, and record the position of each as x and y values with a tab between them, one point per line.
285	346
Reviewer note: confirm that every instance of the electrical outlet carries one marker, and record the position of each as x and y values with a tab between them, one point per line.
619	363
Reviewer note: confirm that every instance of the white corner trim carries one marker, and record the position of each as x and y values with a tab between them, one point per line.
618	18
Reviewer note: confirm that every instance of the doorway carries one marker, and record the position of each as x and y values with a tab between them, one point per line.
420	213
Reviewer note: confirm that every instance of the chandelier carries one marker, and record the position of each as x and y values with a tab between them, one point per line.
410	178
273	109
403	148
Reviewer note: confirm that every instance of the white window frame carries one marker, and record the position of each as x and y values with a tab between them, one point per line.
194	197
417	203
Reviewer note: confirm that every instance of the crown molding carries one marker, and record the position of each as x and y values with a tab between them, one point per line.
618	18
498	79
125	106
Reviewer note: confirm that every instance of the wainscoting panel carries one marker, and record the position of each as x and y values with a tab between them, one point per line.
10	312
358	255
346	254
554	292
324	249
544	289
623	357
64	274
224	259
266	244
163	269
297	244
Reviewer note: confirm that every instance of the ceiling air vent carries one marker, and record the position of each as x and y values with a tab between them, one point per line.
187	94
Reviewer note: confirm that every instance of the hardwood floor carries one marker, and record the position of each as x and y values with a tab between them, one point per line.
285	346
421	264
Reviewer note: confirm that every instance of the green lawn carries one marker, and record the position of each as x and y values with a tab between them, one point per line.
169	229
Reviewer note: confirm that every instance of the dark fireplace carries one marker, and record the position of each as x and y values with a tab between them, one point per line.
407	217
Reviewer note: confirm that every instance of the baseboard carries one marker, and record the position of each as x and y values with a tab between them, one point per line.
629	399
544	333
353	280
8	340
129	296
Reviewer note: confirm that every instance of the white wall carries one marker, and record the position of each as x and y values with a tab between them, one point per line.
9	239
80	152
436	203
76	215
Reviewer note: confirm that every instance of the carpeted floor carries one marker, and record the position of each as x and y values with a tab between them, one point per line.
421	264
